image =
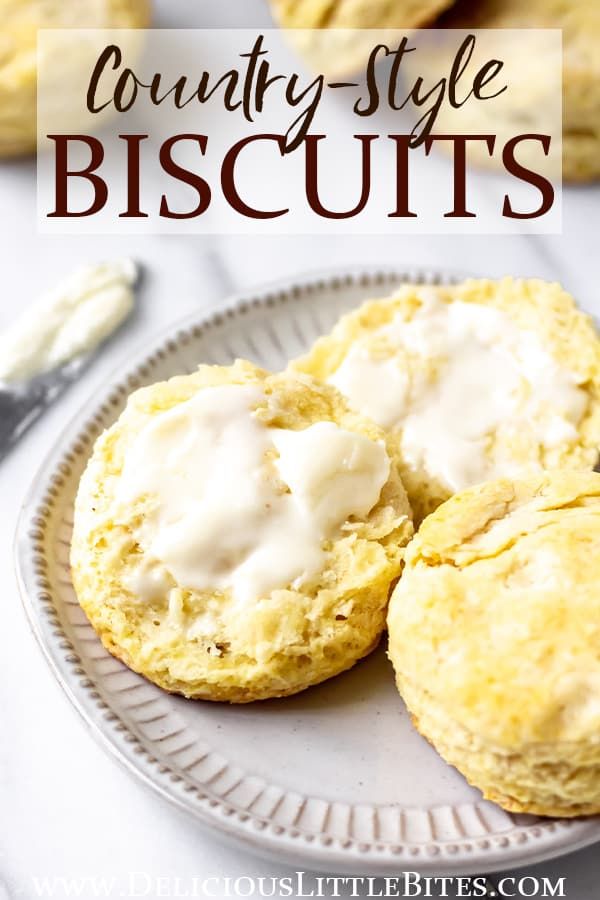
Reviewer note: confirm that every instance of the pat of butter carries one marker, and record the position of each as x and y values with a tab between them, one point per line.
235	505
333	474
379	385
70	320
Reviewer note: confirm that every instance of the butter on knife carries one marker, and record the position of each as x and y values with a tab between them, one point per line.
48	346
69	321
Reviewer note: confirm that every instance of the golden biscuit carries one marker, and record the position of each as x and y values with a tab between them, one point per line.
21	20
479	380
579	21
239	552
357	13
494	634
344	32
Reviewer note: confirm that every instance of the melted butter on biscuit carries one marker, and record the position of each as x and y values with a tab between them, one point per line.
235	505
450	377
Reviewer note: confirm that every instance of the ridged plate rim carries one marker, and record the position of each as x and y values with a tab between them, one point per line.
315	849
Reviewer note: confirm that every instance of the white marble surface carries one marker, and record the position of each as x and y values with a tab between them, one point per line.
66	808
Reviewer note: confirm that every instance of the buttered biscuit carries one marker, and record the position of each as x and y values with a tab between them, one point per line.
478	380
20	21
494	633
236	534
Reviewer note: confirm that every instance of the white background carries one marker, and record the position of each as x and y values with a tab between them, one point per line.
66	807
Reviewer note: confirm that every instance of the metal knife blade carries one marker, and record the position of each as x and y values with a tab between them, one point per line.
24	402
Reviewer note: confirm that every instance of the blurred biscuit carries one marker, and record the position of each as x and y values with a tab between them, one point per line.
340	43
357	13
579	21
19	24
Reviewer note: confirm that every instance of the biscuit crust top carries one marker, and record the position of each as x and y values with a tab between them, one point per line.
496	618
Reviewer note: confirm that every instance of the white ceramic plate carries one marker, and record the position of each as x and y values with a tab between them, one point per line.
334	779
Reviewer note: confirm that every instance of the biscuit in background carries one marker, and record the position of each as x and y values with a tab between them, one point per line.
343	45
494	634
357	13
523	97
579	21
19	24
217	592
479	380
